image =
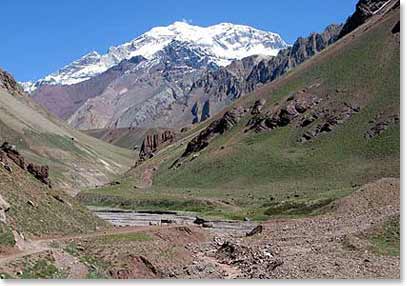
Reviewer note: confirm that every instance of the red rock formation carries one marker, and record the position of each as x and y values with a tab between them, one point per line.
153	142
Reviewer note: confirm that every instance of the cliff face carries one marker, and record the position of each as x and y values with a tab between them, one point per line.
364	10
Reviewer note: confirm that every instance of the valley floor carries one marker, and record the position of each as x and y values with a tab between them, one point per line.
358	237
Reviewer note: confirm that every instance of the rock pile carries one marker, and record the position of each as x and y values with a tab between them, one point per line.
254	262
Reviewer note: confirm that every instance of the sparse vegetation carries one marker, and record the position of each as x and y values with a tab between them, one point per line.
6	235
42	269
386	240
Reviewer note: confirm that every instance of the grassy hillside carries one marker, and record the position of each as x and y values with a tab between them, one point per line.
270	173
37	210
75	159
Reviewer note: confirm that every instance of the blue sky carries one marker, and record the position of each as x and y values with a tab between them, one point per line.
41	36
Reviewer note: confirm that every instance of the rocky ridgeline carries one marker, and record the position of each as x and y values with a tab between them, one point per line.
8	82
153	142
364	10
244	76
9	152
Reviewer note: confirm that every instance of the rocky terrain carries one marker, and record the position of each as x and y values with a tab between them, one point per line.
342	243
297	179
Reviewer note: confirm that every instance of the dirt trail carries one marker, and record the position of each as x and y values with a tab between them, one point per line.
29	247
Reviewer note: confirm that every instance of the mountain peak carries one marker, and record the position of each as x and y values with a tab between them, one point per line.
221	43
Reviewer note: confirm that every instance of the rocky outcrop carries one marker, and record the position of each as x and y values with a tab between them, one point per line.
13	154
153	142
217	127
283	114
8	151
364	10
41	173
330	121
257	230
9	83
381	124
258	106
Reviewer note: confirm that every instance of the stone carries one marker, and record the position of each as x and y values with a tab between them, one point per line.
199	221
257	230
31	203
40	172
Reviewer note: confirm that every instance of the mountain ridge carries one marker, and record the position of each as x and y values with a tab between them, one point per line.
222	43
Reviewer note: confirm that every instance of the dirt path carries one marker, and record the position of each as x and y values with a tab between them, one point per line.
29	247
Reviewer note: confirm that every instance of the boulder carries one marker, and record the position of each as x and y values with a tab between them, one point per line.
40	172
200	221
257	230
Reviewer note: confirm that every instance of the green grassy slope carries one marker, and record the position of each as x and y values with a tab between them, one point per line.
257	175
37	210
75	159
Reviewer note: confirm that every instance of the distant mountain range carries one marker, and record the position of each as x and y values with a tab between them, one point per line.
219	44
171	76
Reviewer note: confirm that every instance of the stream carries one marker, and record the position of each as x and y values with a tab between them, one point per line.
122	217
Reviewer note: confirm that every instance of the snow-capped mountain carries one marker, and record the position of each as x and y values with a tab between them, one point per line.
221	44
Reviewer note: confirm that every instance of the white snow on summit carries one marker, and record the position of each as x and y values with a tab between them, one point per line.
222	43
